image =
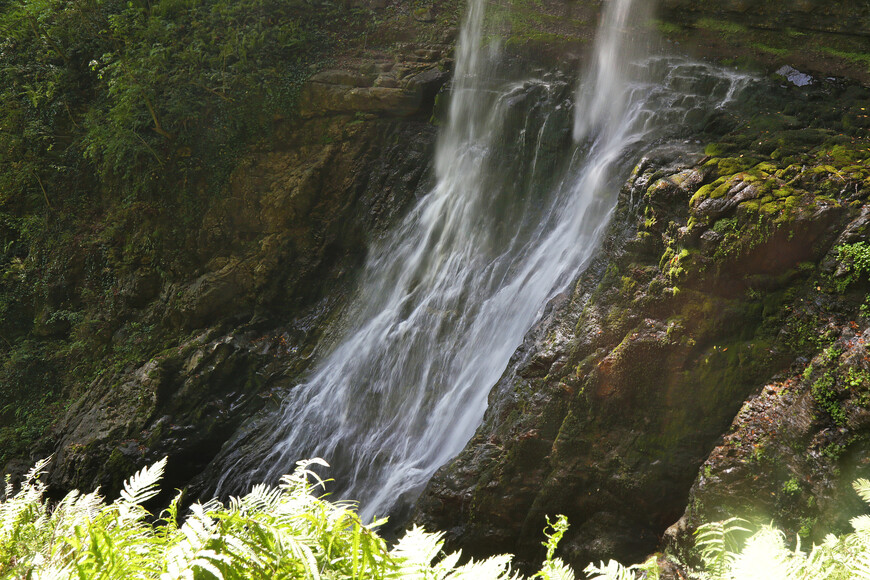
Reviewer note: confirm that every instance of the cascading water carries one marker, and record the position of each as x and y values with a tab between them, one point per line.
517	212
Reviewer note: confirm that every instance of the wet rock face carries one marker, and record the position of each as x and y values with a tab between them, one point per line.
802	14
297	219
276	255
176	404
385	88
793	449
618	395
822	38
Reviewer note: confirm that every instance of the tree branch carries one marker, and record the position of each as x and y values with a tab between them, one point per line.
158	128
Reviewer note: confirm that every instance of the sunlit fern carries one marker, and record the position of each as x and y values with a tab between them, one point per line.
727	550
289	532
273	532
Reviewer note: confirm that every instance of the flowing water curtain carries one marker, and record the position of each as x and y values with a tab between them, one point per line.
447	298
623	40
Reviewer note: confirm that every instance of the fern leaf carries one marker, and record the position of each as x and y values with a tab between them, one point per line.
717	546
764	557
205	565
613	570
494	568
142	486
37	470
418	546
862	487
556	569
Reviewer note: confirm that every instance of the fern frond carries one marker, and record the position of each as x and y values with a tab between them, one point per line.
862	487
649	570
418	548
297	482
494	568
37	470
717	546
262	498
556	569
142	486
613	570
763	557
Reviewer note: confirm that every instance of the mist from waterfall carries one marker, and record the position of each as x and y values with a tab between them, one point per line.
526	182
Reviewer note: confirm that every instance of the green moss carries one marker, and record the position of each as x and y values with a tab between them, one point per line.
770	49
676	262
667	28
732	165
714	190
751	206
726	226
723	26
842	155
861	58
765	167
769	208
530	23
628	286
717	149
618	319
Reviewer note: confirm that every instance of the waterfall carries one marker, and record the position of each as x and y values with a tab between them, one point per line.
517	211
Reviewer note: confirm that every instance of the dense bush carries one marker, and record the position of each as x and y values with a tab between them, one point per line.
129	92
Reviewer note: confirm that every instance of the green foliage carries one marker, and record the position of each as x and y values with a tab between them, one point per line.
716	544
139	94
119	120
862	58
613	570
24	409
283	532
728	550
554	568
791	487
856	259
826	396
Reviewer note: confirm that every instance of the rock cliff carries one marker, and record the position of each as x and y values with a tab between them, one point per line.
722	301
719	276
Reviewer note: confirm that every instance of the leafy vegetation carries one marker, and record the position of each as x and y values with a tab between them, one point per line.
119	121
855	260
288	532
283	532
135	92
728	550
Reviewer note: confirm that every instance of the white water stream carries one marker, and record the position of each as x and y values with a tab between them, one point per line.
517	212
